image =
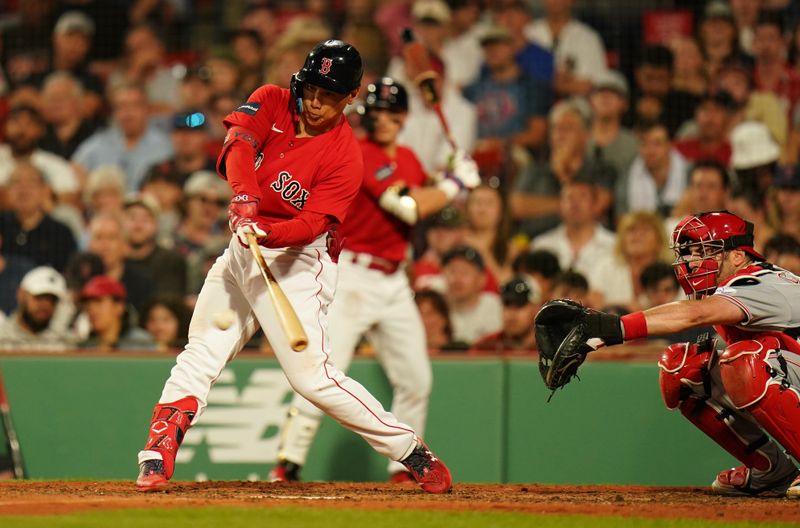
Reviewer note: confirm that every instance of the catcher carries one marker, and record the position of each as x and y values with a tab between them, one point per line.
742	396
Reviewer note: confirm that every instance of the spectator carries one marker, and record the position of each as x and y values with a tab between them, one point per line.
571	285
784	251
195	89
129	143
688	69
753	105
654	98
660	286
657	177
107	241
261	17
189	144
535	199
755	157
743	203
145	255
207	196
579	50
512	106
25	227
580	241
610	141
445	230
224	73
66	126
772	72
72	42
12	269
641	241
542	266
104	191
707	190
31	326
25	40
521	299
473	311
104	301
462	52
248	48
713	117
222	105
143	64
488	232
786	203
166	319
718	38
436	319
745	13
538	62
24	128
165	186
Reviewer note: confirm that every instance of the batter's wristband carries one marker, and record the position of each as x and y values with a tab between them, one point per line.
634	326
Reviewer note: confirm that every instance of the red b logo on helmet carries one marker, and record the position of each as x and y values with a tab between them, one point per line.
325	68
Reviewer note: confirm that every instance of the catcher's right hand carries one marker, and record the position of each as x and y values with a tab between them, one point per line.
565	332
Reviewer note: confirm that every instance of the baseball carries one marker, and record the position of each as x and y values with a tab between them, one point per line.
224	318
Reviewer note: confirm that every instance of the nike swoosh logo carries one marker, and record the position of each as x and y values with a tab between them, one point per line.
275	129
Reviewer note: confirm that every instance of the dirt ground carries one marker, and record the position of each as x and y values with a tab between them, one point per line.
39	498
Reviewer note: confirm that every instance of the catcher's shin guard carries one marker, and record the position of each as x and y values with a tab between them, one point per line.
685	385
753	384
167	429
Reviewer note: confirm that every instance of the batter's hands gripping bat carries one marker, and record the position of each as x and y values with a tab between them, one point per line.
11	434
418	63
297	337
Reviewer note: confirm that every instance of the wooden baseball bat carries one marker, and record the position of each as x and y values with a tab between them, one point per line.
11	434
423	75
287	317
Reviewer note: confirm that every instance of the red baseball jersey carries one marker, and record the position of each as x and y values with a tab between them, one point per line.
370	229
320	174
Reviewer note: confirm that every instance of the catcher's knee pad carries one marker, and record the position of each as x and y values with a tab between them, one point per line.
168	427
684	371
753	384
745	372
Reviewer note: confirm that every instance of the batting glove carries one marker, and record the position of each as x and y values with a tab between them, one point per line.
461	174
243	218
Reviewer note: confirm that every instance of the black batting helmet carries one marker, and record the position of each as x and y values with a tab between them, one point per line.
333	65
386	94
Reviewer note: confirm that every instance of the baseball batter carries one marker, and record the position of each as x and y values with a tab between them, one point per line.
294	167
373	295
745	397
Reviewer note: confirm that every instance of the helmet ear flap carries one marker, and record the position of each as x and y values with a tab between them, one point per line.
296	99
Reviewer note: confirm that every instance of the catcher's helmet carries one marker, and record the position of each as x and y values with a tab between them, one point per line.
710	233
333	65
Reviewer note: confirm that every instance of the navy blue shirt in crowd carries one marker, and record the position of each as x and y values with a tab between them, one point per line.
504	108
48	244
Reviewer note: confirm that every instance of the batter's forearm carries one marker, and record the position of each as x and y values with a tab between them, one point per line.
430	200
299	231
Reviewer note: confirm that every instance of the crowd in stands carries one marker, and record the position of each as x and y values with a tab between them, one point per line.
593	141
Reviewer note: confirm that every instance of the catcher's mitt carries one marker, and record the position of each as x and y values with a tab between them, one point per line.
561	339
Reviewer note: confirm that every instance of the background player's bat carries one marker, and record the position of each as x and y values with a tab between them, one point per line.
14	449
297	337
418	63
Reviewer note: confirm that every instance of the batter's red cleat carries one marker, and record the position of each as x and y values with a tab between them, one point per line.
152	476
430	473
402	477
285	471
744	481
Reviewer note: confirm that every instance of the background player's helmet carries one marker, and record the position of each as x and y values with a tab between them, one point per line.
712	233
333	65
386	94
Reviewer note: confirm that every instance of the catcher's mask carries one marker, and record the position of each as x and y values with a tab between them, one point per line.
699	241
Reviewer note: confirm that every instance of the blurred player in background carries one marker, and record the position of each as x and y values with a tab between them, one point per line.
374	298
295	167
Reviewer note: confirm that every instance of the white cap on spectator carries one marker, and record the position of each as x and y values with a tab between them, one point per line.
753	146
202	181
431	10
611	80
74	21
44	280
104	177
144	200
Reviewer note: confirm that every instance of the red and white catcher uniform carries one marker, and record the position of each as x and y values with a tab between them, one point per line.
747	396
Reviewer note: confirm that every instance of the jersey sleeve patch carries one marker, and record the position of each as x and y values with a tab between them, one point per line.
249	108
